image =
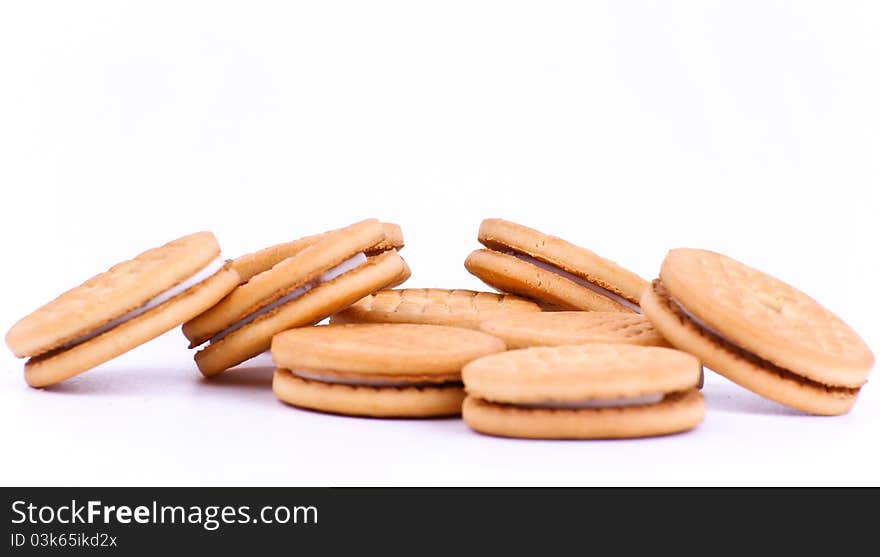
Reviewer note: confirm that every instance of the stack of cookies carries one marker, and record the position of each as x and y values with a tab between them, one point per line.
571	346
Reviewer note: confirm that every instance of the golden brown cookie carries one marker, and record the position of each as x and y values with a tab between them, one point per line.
295	284
124	307
758	331
425	401
434	306
379	370
573	327
254	263
588	391
556	273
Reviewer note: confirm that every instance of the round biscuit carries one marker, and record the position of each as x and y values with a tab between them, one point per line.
434	306
502	235
257	262
676	413
313	306
767	317
52	368
579	372
283	277
377	402
740	367
111	294
388	349
573	327
508	274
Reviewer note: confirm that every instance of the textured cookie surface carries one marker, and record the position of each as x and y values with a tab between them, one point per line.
580	372
313	306
104	297
388	349
573	327
270	280
458	308
509	274
741	367
767	317
60	365
502	235
675	413
379	402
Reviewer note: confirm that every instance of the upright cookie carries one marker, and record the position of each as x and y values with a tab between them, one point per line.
378	370
588	391
555	273
573	327
124	307
434	306
292	285
758	331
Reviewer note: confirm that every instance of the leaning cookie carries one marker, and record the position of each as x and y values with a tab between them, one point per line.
434	306
255	263
291	285
377	370
551	271
589	391
558	328
124	307
758	331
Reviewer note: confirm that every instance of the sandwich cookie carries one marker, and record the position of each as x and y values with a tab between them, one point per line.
254	263
573	327
555	273
758	331
434	306
292	285
378	370
124	307
587	391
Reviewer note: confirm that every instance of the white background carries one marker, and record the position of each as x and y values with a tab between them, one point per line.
750	128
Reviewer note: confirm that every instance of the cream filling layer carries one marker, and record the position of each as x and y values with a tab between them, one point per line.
360	381
597	403
349	264
201	275
576	279
703	324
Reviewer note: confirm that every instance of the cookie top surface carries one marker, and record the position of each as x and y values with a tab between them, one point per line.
113	293
274	272
386	349
573	327
580	372
504	236
765	316
461	308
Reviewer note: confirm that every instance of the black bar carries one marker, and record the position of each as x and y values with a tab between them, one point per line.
412	521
